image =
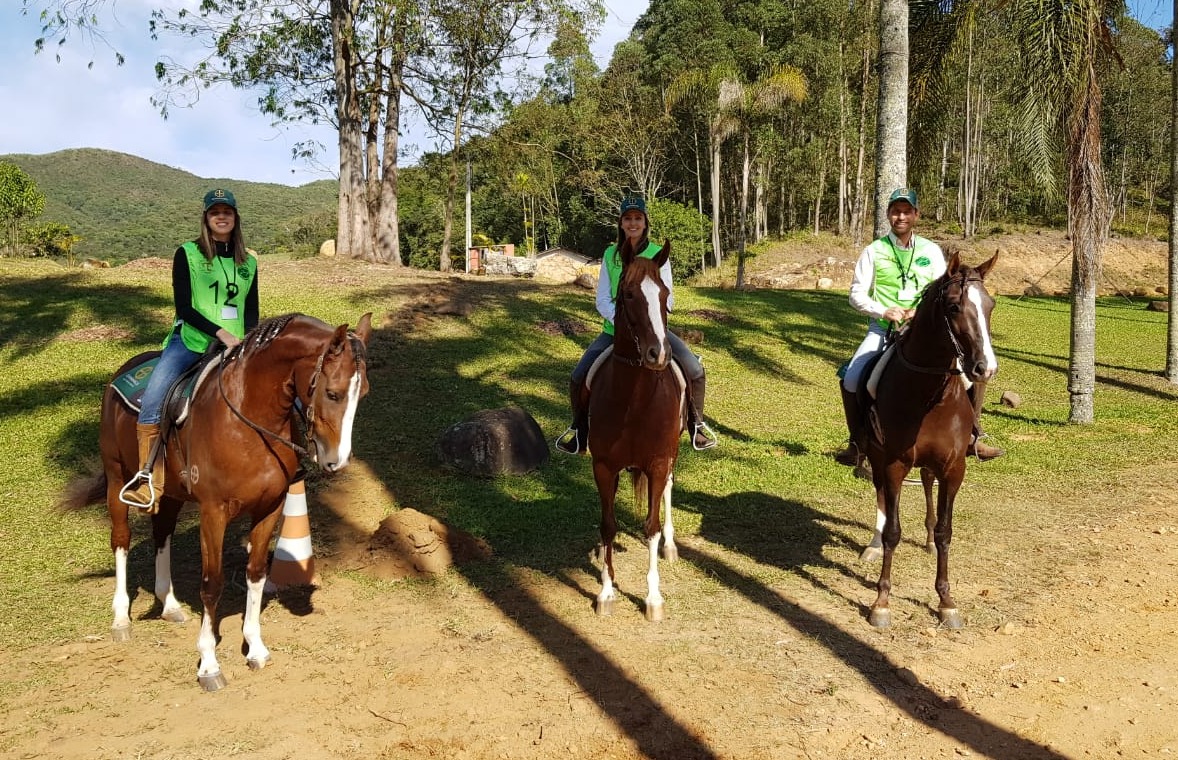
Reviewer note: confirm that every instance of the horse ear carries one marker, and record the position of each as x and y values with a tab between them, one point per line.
985	267
664	254
339	340
364	328
954	262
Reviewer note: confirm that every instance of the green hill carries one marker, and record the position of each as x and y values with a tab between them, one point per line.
124	207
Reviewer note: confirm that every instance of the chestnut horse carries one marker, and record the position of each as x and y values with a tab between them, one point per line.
637	416
923	417
234	457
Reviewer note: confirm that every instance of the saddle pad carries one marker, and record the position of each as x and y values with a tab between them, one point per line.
131	384
679	378
877	371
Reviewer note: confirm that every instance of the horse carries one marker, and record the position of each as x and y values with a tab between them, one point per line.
922	417
234	456
637	410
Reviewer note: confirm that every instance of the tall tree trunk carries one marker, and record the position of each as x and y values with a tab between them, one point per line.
353	235
859	212
844	150
891	149
387	242
714	144
1088	197
742	229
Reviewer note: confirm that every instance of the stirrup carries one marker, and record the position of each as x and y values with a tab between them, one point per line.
132	484
569	442
701	428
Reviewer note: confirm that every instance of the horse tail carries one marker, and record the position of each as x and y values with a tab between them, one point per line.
83	492
640	485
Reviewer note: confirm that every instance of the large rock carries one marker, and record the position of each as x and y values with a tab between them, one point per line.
517	266
494	442
328	247
557	270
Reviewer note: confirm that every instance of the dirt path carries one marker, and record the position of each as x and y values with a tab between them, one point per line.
1068	653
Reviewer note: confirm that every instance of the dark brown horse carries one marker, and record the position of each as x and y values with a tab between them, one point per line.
636	412
235	456
923	417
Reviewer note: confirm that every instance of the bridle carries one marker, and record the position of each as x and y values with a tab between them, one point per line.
308	416
620	310
941	294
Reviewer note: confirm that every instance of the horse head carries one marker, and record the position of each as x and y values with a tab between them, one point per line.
339	382
966	305
642	309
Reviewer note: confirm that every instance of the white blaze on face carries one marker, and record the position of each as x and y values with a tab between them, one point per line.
975	298
345	436
650	291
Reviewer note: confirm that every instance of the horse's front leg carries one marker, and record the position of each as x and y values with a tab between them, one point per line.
658	486
670	550
212	539
927	479
257	656
891	480
607	488
943	536
163	528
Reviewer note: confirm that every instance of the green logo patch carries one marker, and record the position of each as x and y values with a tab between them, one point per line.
922	261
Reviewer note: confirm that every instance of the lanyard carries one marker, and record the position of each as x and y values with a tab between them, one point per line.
905	273
230	285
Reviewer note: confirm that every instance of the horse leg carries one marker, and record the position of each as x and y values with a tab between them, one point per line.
212	539
257	656
930	511
874	550
120	546
892	481
943	536
607	486
163	528
657	486
670	550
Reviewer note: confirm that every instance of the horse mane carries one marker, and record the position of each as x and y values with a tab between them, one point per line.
264	334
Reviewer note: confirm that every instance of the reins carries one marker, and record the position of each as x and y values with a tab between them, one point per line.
958	350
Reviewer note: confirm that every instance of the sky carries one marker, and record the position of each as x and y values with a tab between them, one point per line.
51	106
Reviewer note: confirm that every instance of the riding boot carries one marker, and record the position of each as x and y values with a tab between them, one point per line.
702	436
851	456
146	487
575	440
983	451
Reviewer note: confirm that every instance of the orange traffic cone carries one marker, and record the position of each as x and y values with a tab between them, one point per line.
294	561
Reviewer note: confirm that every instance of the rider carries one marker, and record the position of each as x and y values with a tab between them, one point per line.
215	292
633	226
889	277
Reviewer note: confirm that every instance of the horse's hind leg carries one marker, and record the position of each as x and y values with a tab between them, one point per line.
874	550
163	528
930	510
212	540
670	550
120	546
657	486
257	656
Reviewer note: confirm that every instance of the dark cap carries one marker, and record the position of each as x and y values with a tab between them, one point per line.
903	194
631	203
213	197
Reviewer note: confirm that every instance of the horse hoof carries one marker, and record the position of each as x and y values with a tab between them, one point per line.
930	548
175	616
655	613
871	554
212	682
120	634
951	618
605	607
670	553
880	617
258	664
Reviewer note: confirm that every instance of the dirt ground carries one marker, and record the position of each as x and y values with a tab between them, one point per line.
1067	652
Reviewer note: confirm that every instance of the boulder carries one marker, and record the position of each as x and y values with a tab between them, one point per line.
1011	399
556	270
328	248
1158	306
516	266
494	442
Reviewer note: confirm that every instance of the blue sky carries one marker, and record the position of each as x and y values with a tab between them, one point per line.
52	106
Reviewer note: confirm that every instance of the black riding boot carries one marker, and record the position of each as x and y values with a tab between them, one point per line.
702	436
575	440
852	456
977	395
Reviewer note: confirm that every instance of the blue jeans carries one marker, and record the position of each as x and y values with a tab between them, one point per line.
684	356
175	359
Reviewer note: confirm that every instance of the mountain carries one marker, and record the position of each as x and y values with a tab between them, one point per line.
124	207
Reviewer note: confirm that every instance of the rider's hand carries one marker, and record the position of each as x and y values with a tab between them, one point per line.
897	314
229	339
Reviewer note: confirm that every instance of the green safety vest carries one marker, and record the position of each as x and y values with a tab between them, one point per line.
612	261
897	270
216	286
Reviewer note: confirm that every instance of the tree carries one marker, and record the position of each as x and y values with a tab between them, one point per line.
52	239
891	147
20	203
1172	318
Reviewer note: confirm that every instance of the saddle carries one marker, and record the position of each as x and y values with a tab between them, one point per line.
609	350
131	384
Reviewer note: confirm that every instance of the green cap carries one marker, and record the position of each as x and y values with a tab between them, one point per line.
903	194
633	202
213	197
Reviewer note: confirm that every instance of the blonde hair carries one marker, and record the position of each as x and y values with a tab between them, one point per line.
236	242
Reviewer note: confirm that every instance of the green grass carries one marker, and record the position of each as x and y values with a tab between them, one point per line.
770	493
